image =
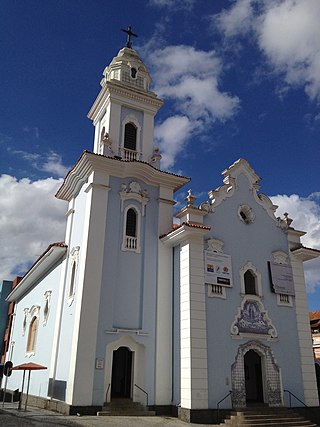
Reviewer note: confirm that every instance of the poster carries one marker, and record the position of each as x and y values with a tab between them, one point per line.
282	278
218	270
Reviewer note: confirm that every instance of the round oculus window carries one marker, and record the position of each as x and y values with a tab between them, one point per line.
246	214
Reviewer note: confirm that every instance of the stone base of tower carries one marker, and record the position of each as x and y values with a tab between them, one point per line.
202	416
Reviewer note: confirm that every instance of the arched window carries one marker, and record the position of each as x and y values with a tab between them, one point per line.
131	240
102	134
32	336
131	224
250	280
249	283
73	279
130	137
131	230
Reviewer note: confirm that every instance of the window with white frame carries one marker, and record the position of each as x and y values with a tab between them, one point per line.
131	229
250	279
74	260
33	330
32	336
131	130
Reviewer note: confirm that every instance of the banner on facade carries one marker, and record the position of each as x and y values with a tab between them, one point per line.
218	270
282	278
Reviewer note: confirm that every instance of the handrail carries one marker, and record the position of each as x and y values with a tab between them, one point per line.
220	401
143	391
107	392
291	394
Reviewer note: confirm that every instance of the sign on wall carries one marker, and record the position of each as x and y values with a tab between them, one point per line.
218	270
282	278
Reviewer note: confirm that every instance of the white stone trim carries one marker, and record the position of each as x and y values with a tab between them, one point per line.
133	191
25	321
280	257
138	367
34	312
47	305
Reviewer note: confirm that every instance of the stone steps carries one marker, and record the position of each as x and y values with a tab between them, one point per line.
266	417
125	407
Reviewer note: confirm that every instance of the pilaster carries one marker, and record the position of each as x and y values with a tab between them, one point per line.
194	370
82	358
304	335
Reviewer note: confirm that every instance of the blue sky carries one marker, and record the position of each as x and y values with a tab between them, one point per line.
239	79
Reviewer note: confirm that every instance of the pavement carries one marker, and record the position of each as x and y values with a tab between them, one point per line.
10	416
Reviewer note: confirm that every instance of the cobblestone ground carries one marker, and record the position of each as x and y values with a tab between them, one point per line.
34	417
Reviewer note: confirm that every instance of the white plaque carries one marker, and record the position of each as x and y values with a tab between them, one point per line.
218	269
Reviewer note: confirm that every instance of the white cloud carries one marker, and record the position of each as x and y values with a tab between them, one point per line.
50	162
190	78
306	215
53	164
286	31
30	219
171	136
173	4
237	19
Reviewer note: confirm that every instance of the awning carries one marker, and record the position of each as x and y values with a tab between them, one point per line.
28	367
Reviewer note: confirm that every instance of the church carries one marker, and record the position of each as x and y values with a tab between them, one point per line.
176	313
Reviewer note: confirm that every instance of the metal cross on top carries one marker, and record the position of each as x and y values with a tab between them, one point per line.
130	34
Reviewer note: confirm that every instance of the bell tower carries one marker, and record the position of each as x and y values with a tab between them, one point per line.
123	112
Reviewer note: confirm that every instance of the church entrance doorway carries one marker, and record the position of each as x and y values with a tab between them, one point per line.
253	378
121	380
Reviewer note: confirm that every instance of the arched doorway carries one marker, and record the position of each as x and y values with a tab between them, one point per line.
253	377
271	389
121	382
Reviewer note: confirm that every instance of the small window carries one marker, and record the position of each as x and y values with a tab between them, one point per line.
246	214
133	72
216	291
130	137
285	300
32	336
249	283
73	279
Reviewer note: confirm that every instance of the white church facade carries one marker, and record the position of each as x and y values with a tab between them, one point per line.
130	306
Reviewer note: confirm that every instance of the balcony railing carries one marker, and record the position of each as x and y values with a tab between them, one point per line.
131	242
130	155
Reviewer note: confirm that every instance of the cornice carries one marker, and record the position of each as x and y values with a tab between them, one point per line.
90	162
39	268
185	232
305	254
130	96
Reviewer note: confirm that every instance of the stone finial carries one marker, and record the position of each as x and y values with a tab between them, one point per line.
287	219
190	199
155	158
